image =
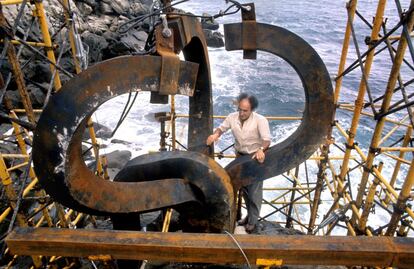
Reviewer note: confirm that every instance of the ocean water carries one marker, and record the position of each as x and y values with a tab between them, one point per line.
277	86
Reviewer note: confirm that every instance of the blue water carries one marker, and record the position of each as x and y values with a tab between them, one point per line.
276	84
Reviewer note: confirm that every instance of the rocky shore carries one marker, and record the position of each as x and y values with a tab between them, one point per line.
99	25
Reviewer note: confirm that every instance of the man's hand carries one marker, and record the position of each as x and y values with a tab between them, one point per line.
212	138
259	156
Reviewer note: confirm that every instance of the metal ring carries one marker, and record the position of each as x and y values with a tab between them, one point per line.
319	106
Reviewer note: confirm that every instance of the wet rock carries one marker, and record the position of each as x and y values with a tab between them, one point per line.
66	62
134	40
8	148
116	48
112	172
14	98
92	3
120	6
84	8
38	71
214	39
96	44
55	10
110	36
101	131
37	95
209	23
137	9
99	25
119	141
104	224
105	8
4	127
118	158
273	228
156	223
150	218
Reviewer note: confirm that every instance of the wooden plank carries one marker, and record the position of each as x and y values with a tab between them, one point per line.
214	248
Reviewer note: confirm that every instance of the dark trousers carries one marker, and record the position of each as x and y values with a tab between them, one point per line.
252	195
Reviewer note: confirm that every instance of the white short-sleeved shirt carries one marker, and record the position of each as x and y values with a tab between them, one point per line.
249	137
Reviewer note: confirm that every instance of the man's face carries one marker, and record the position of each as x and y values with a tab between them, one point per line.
244	109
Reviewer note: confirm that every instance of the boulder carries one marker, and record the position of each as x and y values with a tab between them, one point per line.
121	7
38	71
97	25
91	3
96	44
101	131
137	9
14	99
118	158
134	39
209	23
5	127
84	8
273	228
214	39
8	148
119	141
110	36
37	94
105	8
117	48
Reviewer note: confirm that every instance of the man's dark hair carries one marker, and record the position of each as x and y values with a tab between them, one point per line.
254	103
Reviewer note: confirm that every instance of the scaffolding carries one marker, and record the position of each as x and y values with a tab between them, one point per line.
349	180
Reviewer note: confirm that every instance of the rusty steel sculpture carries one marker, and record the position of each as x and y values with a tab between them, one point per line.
188	180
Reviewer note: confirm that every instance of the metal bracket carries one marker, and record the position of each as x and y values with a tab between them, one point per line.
249	32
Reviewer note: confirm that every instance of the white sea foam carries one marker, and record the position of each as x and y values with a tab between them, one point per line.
279	90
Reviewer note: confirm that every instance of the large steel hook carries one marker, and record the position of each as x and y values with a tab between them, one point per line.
181	177
319	107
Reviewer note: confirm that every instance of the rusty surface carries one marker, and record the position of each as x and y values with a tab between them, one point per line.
58	136
318	111
169	68
212	208
189	181
249	33
215	248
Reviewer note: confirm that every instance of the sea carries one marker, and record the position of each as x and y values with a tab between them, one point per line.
279	90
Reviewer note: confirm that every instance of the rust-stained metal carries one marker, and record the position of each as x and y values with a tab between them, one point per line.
60	128
6	34
211	208
170	68
215	248
189	178
249	32
319	107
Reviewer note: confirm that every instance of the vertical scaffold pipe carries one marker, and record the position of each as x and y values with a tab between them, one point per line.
369	201
407	139
361	91
399	207
40	13
395	71
318	188
344	53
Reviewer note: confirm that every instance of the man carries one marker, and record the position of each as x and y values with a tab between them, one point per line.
252	136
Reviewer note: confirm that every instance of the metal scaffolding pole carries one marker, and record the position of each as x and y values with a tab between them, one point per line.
395	70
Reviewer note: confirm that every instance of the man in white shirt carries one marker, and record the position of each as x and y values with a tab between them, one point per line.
252	136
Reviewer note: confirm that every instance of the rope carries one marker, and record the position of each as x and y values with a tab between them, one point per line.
240	248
